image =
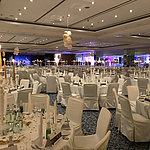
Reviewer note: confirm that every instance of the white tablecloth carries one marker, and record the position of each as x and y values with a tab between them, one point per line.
143	108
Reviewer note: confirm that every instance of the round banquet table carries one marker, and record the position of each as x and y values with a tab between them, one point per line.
30	133
143	108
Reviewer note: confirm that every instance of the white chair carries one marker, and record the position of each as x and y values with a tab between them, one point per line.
89	142
9	100
142	84
67	78
35	87
66	93
120	81
39	101
133	95
118	111
103	143
23	96
25	83
108	100
90	97
134	126
51	84
74	111
39	88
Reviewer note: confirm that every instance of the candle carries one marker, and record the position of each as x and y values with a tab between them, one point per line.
0	59
5	68
13	69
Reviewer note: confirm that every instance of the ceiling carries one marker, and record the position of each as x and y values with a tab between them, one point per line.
104	26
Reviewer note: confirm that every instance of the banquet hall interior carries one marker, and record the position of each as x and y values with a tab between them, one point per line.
74	74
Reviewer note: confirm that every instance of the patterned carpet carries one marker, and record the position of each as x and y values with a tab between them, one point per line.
117	140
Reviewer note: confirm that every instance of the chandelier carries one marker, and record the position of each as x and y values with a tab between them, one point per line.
67	39
16	51
67	36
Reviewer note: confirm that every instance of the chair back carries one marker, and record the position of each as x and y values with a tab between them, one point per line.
39	89
116	98
142	84
39	101
74	109
51	86
133	93
35	86
67	78
103	143
127	124
23	96
25	83
90	90
66	88
103	122
110	94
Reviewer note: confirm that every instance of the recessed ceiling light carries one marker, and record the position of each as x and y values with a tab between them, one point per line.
53	23
16	18
131	11
68	15
139	33
31	0
25	8
79	9
93	3
116	16
102	20
92	24
20	14
46	39
60	19
56	46
83	27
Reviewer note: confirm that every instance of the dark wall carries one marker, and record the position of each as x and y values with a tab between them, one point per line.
68	57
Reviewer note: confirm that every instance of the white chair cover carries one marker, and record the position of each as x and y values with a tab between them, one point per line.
90	97
39	101
118	111
108	100
35	87
23	96
103	143
134	126
133	95
25	83
66	93
51	84
89	142
74	113
142	84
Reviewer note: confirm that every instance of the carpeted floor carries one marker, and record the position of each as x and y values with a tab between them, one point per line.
117	140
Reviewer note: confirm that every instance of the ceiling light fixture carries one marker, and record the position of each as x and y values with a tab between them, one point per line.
131	11
20	14
83	27
16	18
53	23
79	9
93	3
56	46
60	19
116	16
92	24
31	0
25	8
68	15
102	20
